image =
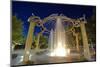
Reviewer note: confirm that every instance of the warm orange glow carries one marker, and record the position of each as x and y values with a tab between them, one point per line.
60	51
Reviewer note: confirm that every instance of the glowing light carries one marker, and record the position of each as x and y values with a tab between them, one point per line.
21	59
30	57
60	51
68	51
27	52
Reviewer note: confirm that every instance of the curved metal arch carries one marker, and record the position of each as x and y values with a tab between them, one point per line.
54	17
32	18
75	22
69	20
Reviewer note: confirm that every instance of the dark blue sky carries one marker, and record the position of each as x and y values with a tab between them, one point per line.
23	10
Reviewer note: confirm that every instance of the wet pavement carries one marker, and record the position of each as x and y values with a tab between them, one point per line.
44	58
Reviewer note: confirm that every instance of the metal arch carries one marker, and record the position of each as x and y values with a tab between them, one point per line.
32	18
54	17
75	22
62	17
38	22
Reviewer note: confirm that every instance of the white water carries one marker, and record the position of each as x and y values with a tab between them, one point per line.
57	40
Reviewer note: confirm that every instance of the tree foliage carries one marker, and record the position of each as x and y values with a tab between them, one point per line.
43	42
17	30
91	28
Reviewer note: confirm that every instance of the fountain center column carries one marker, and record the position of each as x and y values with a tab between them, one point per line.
59	40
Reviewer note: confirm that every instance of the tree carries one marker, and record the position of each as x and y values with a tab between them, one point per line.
43	42
91	28
17	36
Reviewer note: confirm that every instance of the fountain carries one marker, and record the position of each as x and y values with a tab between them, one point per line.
51	40
58	40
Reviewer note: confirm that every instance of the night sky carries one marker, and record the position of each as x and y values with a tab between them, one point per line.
23	10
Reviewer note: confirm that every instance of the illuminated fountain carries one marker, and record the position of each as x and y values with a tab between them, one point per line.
58	40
